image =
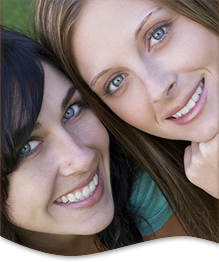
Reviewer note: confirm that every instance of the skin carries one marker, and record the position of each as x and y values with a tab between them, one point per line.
49	169
65	153
201	159
147	69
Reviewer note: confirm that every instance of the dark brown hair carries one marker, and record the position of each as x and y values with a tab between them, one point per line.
196	210
22	90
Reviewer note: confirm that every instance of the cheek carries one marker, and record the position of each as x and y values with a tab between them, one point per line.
100	142
133	105
93	134
28	196
197	46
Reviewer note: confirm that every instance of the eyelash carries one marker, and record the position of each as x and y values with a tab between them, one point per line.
154	29
81	103
109	82
31	152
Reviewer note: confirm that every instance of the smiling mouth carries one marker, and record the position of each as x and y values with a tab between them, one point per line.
192	102
80	195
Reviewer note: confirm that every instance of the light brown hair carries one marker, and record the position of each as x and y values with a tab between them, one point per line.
196	210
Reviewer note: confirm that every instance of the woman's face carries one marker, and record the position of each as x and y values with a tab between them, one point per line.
154	68
62	185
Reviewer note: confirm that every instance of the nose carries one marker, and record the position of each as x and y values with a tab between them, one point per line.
158	82
71	155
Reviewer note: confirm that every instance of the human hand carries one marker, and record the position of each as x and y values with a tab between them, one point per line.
201	161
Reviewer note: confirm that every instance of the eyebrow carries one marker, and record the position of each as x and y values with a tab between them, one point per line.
144	21
70	93
37	126
137	31
94	80
68	97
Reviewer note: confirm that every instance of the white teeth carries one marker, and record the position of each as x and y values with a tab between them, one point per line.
92	186
199	90
64	199
184	110
195	97
59	200
71	197
178	114
78	196
95	179
191	102
86	191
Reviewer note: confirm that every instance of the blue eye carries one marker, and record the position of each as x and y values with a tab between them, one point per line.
72	111
159	34
115	83
117	80
30	146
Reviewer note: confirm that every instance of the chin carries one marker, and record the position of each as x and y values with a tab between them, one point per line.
98	225
103	222
205	136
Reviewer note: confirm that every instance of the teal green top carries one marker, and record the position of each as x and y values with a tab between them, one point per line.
149	204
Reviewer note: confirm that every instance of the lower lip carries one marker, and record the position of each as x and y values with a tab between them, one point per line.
88	202
194	113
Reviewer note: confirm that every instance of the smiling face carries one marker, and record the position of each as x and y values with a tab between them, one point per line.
154	68
62	184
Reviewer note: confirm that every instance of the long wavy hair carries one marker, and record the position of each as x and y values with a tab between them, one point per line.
21	98
197	211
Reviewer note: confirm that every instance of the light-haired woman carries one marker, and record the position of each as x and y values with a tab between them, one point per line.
68	28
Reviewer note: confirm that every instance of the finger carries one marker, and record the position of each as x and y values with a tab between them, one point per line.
210	146
191	153
187	156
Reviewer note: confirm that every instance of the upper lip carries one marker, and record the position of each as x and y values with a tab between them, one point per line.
184	102
81	184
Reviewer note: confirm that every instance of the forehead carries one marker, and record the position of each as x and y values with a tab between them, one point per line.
56	86
105	24
115	8
103	17
54	78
